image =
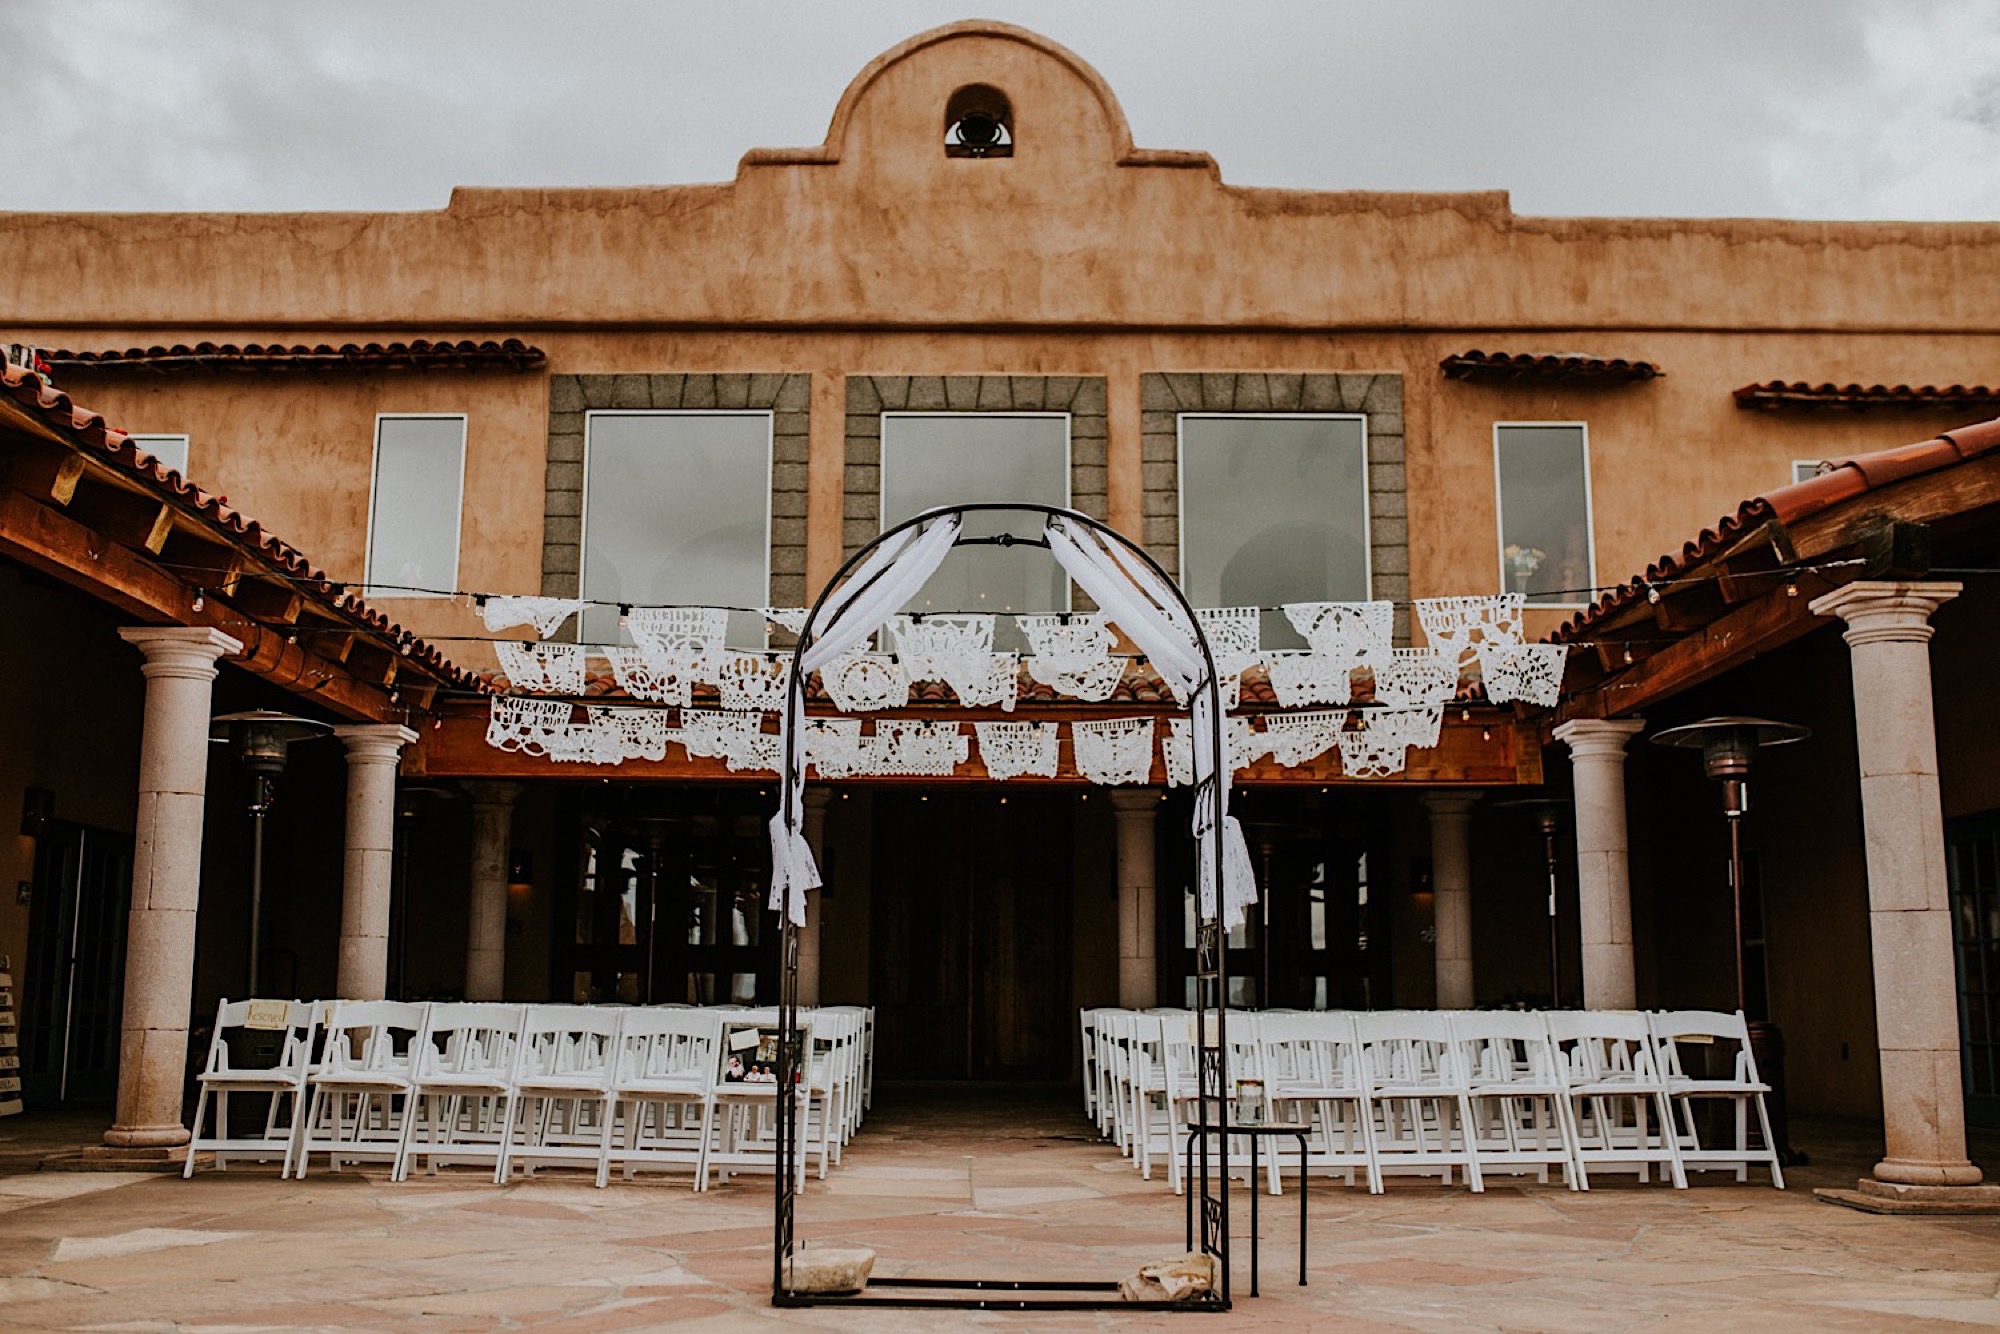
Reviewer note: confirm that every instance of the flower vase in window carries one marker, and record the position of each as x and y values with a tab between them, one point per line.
1522	562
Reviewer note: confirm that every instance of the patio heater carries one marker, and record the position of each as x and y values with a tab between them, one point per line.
1728	745
260	739
1546	813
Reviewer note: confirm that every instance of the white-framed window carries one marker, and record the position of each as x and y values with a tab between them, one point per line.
415	499
1804	470
676	512
952	458
170	451
1541	474
1274	509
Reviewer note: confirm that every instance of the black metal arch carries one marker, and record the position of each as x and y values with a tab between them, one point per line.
1211	1177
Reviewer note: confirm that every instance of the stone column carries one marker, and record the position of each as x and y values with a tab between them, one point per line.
815	824
486	918
166	883
1909	911
372	749
1451	888
1135	809
1603	875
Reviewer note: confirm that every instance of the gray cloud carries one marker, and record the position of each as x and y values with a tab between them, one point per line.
1841	108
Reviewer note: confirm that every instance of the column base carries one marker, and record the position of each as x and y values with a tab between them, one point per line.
1893	1197
120	1158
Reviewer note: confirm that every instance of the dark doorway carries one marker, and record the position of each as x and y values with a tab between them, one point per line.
670	899
76	966
971	926
1972	870
1318	936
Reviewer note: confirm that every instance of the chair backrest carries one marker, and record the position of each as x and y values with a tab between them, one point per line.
1407	1046
372	1035
659	1043
469	1037
1504	1045
1600	1046
1670	1028
568	1040
295	1019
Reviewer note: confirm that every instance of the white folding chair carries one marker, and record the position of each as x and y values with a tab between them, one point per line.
1674	1030
361	1083
1087	1024
1520	1106
560	1107
1619	1115
1421	1101
746	1110
666	1064
1313	1073
291	1024
461	1085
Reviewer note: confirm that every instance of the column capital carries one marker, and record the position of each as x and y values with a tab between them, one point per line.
186	651
1135	800
1598	737
491	792
1450	804
1882	611
374	743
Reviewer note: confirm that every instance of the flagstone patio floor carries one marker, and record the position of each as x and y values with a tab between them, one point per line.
981	1181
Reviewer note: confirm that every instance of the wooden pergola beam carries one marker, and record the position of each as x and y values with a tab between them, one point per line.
56	544
1485	751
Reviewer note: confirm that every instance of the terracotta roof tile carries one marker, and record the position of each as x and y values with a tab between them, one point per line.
509	354
1478	367
1798	396
1844	481
97	438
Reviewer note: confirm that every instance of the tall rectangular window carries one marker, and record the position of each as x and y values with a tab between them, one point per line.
677	511
413	510
171	451
1542	470
951	458
1274	509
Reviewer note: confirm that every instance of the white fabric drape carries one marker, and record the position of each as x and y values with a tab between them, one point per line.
893	574
1142	605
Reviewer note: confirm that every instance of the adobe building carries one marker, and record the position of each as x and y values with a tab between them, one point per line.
976	286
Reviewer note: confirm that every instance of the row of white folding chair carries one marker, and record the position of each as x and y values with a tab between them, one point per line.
503	1083
1430	1091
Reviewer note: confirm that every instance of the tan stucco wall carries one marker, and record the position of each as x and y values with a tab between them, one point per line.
1077	256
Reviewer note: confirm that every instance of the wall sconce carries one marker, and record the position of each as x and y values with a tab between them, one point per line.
38	807
520	872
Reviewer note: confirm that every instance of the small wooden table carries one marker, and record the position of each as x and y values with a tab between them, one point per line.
1296	1129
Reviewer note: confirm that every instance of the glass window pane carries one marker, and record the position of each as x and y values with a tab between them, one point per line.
1544	513
676	511
413	529
958	458
170	450
1273	510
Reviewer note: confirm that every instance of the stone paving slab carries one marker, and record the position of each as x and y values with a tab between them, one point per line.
1011	1187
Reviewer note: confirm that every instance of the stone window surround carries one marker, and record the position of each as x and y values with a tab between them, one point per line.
786	396
1164	396
1083	397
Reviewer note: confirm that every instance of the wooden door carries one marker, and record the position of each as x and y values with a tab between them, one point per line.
971	952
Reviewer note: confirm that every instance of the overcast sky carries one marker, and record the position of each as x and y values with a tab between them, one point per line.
1791	108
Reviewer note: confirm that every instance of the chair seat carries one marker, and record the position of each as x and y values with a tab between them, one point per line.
562	1084
690	1085
462	1084
361	1081
1677	1087
275	1081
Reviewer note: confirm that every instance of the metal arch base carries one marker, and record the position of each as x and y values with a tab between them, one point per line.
1055	1300
1210	1183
